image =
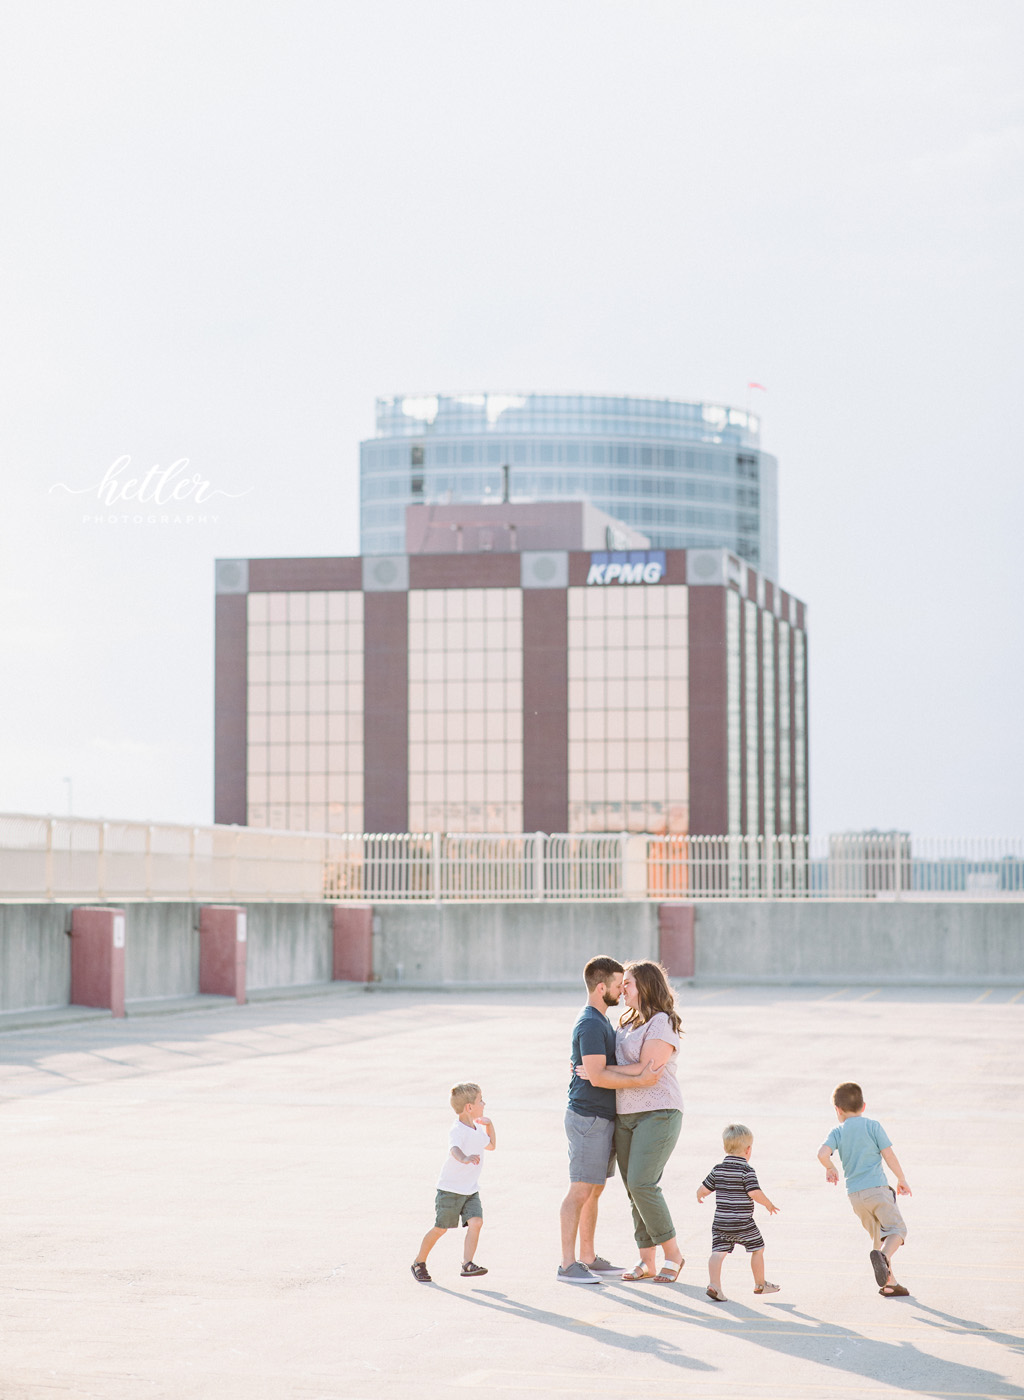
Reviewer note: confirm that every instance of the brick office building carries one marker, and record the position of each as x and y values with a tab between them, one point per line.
511	673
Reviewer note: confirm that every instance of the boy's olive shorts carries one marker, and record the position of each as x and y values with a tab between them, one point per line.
450	1207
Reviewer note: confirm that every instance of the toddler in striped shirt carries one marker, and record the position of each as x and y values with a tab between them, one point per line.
736	1188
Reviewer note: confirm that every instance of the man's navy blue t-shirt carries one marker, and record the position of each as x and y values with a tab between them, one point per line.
591	1035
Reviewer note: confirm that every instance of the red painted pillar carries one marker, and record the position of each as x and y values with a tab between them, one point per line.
222	950
353	943
676	950
97	958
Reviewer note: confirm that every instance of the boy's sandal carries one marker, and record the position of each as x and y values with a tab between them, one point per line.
880	1265
894	1290
637	1274
419	1273
715	1297
472	1270
668	1273
767	1288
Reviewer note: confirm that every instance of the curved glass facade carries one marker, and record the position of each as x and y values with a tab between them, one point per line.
688	475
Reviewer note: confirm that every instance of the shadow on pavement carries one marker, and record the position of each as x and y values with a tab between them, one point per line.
650	1346
805	1337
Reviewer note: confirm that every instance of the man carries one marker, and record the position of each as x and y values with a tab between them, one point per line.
590	1124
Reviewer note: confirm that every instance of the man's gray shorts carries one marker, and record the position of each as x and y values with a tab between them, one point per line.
591	1148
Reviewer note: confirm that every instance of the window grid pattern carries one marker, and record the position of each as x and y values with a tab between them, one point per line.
768	656
753	727
785	774
734	762
465	709
799	733
628	709
305	711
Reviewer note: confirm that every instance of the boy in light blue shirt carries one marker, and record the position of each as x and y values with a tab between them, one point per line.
863	1145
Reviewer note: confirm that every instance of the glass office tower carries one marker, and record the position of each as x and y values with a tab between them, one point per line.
687	475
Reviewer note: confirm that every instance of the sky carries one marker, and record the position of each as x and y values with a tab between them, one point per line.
230	227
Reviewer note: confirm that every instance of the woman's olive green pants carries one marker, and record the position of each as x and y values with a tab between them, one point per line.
643	1144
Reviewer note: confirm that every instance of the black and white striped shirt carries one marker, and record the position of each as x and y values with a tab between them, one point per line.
730	1181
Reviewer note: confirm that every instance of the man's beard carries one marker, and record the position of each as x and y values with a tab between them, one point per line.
612	1001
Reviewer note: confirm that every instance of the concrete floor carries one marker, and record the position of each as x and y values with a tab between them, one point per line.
224	1203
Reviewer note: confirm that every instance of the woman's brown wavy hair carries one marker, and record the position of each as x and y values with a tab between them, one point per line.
656	995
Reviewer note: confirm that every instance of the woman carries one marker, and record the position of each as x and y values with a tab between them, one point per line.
648	1119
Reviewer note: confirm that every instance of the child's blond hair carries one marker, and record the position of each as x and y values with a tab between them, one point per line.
463	1094
736	1138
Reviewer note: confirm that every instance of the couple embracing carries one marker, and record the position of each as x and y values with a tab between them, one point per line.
625	1105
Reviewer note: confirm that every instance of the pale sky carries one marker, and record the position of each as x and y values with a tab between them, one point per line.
230	226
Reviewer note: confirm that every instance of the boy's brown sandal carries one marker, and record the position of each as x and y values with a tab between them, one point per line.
419	1272
472	1270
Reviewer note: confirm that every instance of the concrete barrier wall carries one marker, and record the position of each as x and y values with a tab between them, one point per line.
506	943
290	945
35	956
536	943
860	941
161	954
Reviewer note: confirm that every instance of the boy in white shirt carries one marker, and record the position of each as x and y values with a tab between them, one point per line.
457	1198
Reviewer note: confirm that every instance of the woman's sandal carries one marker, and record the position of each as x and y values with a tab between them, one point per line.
715	1297
636	1274
668	1273
767	1288
894	1290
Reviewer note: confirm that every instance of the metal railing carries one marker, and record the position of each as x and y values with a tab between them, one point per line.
70	859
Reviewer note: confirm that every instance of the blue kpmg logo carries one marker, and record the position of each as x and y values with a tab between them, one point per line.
638	566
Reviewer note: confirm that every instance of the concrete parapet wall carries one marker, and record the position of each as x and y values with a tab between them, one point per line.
520	942
161	950
536	943
35	956
290	945
860	941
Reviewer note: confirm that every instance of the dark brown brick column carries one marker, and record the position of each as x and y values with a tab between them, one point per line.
386	712
230	709
709	738
545	709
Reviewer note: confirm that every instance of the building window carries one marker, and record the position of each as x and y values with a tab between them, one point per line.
628	709
465	710
799	734
305	706
785	805
768	705
733	719
752	671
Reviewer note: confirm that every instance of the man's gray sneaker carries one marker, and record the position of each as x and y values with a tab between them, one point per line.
601	1266
576	1273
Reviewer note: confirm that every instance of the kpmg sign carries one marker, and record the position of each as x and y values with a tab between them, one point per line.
636	566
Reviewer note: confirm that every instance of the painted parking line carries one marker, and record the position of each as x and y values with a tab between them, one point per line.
832	996
1016	998
868	995
983	996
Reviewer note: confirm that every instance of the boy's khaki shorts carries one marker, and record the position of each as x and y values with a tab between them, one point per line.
876	1209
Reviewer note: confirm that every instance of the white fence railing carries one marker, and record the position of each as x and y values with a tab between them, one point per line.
68	859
